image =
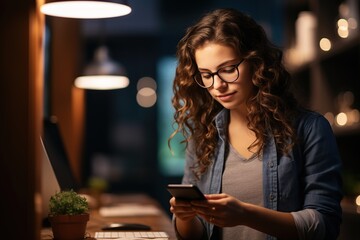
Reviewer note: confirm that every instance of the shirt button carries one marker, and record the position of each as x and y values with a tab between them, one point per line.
272	197
271	164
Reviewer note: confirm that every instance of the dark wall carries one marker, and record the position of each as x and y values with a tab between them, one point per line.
117	128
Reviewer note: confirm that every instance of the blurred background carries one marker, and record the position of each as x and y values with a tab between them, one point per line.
117	139
124	136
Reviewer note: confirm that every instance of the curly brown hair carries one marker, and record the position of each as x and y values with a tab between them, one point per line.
272	108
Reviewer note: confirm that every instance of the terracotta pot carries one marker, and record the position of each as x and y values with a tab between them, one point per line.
69	227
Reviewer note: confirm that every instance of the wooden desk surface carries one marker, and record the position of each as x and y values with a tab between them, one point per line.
158	222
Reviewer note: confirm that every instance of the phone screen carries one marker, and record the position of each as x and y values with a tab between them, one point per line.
185	192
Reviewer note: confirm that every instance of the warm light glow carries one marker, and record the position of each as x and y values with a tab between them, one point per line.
85	9
343	28
342	23
344	9
325	44
341	119
354	116
101	82
352	23
357	201
343	33
146	82
146	97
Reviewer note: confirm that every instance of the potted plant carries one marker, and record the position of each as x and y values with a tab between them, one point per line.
68	215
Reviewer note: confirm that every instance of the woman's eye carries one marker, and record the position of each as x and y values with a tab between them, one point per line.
227	69
205	75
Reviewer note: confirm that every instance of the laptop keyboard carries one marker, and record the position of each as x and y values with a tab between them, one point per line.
131	235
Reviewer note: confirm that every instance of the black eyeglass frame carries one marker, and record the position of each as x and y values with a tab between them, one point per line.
212	74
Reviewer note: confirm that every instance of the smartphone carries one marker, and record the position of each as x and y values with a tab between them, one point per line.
185	192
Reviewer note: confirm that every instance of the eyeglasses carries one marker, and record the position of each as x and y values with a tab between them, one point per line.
227	74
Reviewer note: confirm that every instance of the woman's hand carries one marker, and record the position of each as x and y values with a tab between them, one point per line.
182	209
187	225
220	209
226	211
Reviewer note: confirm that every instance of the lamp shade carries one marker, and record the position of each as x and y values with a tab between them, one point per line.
85	9
101	82
102	73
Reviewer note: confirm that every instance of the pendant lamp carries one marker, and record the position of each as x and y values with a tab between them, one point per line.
102	73
85	9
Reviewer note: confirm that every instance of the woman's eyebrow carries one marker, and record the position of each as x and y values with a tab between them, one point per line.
224	64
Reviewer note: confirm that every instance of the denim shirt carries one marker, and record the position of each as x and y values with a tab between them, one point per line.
308	177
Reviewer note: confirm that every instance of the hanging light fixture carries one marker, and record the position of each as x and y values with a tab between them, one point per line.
102	73
89	9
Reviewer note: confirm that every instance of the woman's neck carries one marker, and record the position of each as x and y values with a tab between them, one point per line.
240	136
238	116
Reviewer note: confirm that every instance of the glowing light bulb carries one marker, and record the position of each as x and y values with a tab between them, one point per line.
341	119
357	201
342	23
325	44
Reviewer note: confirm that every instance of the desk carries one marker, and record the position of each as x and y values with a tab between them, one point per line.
158	222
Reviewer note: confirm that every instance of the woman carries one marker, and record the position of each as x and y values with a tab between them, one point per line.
269	168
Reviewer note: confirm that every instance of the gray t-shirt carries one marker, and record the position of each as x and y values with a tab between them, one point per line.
242	179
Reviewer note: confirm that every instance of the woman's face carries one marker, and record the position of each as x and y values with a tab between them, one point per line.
233	96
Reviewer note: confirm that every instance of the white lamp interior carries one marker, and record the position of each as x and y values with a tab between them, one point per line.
101	82
85	9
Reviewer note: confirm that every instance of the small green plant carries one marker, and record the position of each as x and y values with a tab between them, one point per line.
67	203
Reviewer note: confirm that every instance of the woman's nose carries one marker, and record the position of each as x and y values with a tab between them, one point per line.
218	83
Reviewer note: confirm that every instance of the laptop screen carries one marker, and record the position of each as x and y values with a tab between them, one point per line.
57	155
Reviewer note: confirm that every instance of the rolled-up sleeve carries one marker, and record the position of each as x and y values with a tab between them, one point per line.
309	224
322	176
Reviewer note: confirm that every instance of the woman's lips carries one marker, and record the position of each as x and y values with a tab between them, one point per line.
225	97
